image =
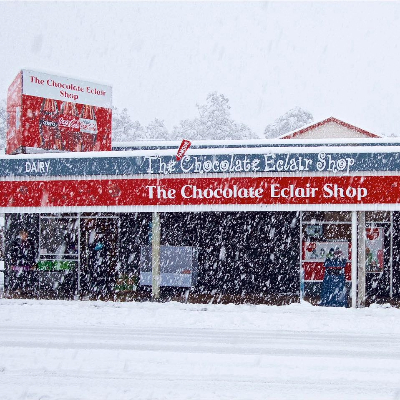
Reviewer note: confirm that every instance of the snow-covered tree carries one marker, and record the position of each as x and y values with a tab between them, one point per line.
290	121
157	130
391	135
214	122
123	129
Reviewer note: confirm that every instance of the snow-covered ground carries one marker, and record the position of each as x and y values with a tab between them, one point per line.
94	350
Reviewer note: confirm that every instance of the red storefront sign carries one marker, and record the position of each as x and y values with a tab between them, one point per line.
201	191
55	113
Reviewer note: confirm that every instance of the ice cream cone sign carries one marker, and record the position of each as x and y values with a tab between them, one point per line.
183	148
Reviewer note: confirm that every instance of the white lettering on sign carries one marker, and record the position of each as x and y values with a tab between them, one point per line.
232	163
193	192
72	123
293	191
276	191
160	193
290	163
55	87
37	166
334	190
198	165
327	163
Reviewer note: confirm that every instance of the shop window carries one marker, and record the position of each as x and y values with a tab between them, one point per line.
326	216
58	243
377	216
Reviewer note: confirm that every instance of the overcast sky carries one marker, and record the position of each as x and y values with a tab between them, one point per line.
338	59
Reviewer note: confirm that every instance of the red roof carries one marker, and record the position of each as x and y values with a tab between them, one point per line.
295	134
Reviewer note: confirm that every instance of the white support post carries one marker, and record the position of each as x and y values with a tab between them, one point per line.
391	255
78	289
354	251
155	256
361	259
301	259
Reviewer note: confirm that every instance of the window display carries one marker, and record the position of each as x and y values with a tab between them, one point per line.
374	249
58	243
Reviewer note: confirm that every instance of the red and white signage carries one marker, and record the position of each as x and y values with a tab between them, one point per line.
50	112
39	84
183	149
239	191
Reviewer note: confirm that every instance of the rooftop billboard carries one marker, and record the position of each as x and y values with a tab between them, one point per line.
53	113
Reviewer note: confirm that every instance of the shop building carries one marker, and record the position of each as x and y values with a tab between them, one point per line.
230	221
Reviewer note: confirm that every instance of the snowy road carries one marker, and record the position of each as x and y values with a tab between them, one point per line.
94	350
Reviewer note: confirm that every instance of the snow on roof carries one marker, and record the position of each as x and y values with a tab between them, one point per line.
308	128
362	146
370	143
263	145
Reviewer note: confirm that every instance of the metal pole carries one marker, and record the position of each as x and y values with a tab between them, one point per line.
354	259
361	259
155	256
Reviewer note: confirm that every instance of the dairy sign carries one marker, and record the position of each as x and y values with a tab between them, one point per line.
278	163
56	113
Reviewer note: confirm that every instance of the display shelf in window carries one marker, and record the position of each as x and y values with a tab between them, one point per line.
178	266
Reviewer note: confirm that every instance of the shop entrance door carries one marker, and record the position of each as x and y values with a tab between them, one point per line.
57	270
99	256
325	265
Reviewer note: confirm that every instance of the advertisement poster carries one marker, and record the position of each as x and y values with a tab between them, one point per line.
52	113
374	250
317	251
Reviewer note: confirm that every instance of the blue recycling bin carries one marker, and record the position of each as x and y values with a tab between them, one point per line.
334	292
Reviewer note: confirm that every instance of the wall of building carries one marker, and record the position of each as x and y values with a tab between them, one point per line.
331	130
246	253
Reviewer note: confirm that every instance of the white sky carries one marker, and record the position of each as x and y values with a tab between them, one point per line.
338	59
